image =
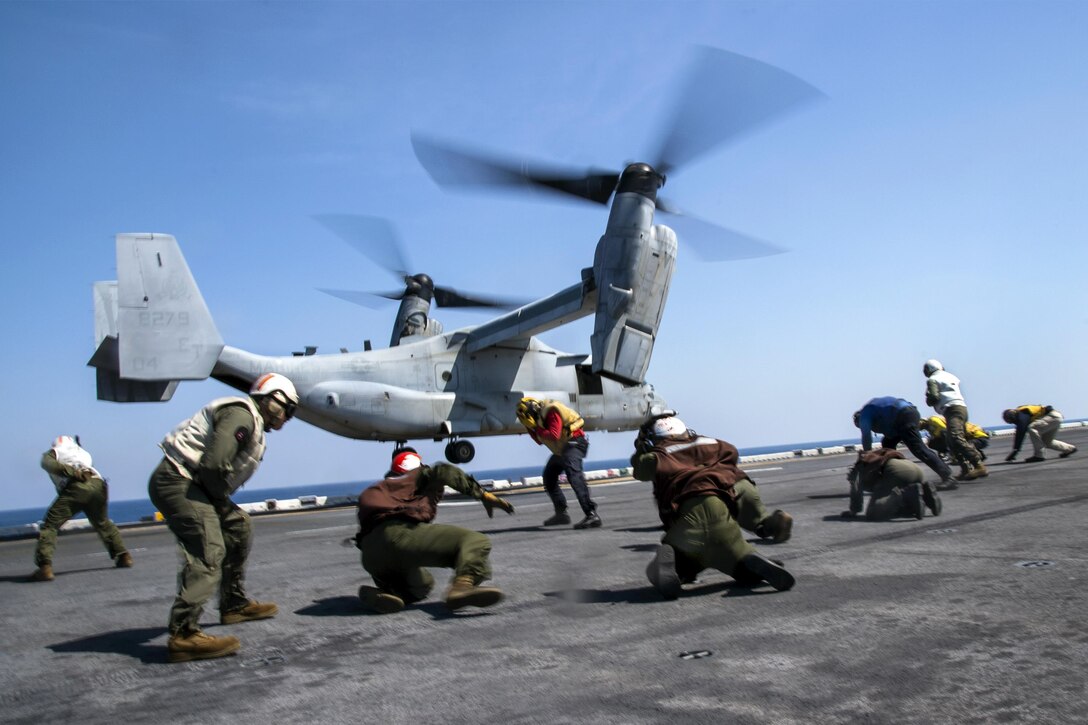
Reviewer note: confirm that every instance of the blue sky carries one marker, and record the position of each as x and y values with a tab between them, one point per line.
934	205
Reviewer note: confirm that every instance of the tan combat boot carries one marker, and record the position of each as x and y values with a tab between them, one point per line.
251	611
778	527
464	593
200	646
978	471
44	573
378	601
124	561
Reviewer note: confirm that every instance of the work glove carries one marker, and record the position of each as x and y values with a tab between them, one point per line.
1011	457
643	444
490	501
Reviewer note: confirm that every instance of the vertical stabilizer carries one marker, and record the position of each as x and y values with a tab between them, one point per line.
165	331
152	326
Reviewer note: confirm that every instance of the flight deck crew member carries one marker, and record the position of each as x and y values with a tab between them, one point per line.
80	488
704	500
895	485
1042	423
398	540
897	420
557	427
206	459
943	394
935	426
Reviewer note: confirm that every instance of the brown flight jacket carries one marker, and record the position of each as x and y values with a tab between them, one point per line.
688	467
870	465
866	473
413	496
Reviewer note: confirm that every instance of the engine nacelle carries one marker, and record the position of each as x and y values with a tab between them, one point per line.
633	268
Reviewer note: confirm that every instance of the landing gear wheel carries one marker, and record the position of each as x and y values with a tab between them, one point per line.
460	451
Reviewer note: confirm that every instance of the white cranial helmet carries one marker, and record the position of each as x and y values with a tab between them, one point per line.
931	367
275	383
671	427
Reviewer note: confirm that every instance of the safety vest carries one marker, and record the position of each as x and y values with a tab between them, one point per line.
187	443
1036	411
571	422
937	425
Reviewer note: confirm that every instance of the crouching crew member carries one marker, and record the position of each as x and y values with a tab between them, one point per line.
898	421
895	485
398	540
207	458
1041	423
559	429
935	426
704	500
79	488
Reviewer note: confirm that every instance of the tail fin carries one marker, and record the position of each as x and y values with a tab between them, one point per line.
152	326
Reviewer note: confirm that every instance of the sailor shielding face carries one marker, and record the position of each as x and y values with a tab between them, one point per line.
560	429
705	502
398	539
206	459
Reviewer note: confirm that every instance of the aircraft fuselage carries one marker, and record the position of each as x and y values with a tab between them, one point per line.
432	387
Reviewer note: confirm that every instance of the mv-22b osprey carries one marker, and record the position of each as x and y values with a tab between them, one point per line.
153	328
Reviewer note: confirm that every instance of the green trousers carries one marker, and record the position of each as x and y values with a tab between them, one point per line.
396	553
89	497
960	447
214	544
707	535
887	498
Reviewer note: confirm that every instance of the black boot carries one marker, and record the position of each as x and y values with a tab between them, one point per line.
756	565
931	499
913	505
561	518
591	521
662	572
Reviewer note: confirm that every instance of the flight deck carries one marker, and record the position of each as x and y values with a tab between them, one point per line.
976	616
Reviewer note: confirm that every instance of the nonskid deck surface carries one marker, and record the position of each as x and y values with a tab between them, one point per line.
974	616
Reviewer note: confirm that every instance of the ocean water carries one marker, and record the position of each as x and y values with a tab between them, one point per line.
140	509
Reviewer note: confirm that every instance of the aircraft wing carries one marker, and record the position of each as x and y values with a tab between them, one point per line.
576	301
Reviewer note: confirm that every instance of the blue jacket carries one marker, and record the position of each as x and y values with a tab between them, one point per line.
878	416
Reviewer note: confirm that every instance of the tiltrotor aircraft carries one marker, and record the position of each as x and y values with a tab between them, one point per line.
153	328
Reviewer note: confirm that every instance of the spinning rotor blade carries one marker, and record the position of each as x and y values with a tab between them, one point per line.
449	297
714	243
724	96
721	97
374	237
377	239
372	300
450	166
443	297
